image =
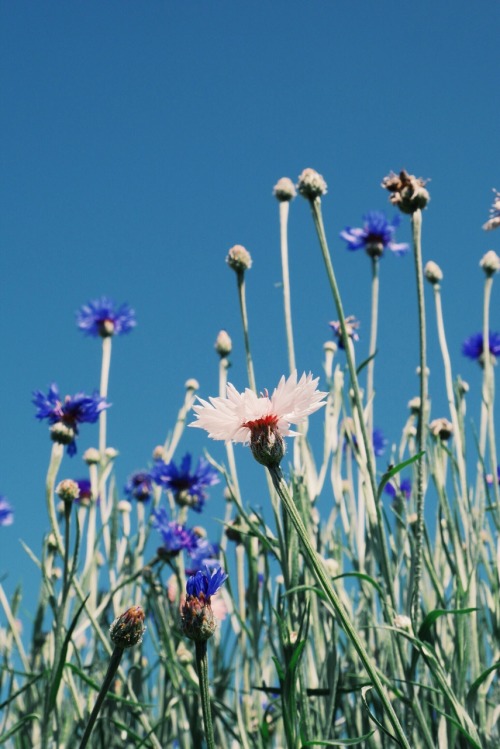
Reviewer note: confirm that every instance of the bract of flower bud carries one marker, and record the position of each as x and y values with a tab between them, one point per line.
462	386
433	272
490	263
408	192
223	344
311	185
197	619
284	190
192	384
441	428
62	434
239	259
92	456
128	629
68	490
111	453
159	453
267	445
124	506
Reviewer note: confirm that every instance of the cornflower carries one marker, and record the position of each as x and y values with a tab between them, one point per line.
351	326
188	488
6	512
473	347
375	236
403	490
65	416
139	486
175	537
197	619
101	317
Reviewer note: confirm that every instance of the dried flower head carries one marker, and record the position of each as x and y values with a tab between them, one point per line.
441	428
433	272
311	185
284	190
490	263
494	219
239	259
408	192
223	344
128	629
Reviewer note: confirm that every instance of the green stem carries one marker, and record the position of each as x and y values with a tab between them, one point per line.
284	210
373	342
244	319
419	531
323	578
202	668
110	674
103	392
489	395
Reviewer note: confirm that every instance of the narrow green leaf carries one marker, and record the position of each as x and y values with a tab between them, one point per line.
279	669
433	616
15	728
62	659
471	696
366	362
339	742
372	717
459	727
296	656
387	476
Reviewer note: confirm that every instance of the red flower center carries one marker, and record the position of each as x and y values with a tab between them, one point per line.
271	420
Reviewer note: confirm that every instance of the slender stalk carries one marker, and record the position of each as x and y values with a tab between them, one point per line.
103	391
489	395
202	668
110	675
322	575
180	423
284	211
373	343
244	318
421	433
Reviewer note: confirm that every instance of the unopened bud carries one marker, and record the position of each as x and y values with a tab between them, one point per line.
490	263
128	629
311	185
223	344
284	190
433	272
239	259
68	490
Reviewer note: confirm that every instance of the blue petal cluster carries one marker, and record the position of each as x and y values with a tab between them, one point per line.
404	489
139	486
206	583
203	555
101	317
489	477
72	411
473	346
6	512
379	442
376	235
85	495
175	537
188	488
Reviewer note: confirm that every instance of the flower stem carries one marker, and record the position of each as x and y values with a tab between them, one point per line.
323	578
488	398
373	343
110	674
103	391
419	530
202	668
244	319
284	211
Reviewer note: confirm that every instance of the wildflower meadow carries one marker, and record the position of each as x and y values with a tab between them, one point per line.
355	604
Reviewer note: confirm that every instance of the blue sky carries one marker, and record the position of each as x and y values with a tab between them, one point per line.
141	140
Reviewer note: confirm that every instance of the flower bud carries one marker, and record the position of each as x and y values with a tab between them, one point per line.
433	272
111	453
311	185
494	219
441	428
490	263
159	453
128	629
407	191
192	384
239	259
61	433
92	456
401	621
223	344
284	190
267	445
68	490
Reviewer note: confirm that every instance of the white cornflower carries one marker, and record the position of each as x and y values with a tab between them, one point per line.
262	421
494	219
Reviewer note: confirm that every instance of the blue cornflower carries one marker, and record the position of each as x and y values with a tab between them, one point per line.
101	317
6	512
175	537
65	416
85	496
379	442
204	554
351	326
473	346
188	488
205	583
376	235
139	486
403	490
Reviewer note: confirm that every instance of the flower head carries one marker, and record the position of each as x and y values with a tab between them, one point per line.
351	326
376	235
311	185
402	490
128	629
408	192
239	259
65	416
139	486
68	490
85	497
494	219
262	421
442	428
189	488
473	347
101	317
204	555
223	344
433	272
490	263
379	441
175	537
6	512
197	618
284	190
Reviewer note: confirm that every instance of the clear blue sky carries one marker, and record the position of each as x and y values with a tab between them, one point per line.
141	140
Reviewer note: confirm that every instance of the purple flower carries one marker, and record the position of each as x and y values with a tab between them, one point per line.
379	442
473	346
65	416
6	512
101	317
376	235
85	496
205	583
188	488
403	490
351	326
175	537
139	486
